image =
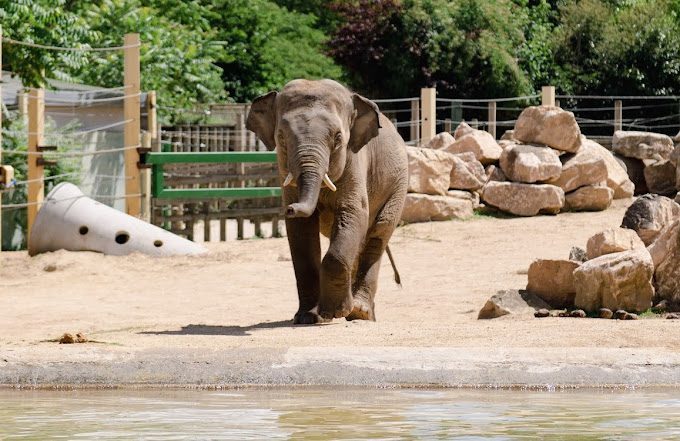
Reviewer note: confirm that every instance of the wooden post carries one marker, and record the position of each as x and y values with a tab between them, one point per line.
447	125
152	120
415	121
618	115
145	183
131	73
36	171
240	167
557	103
548	95
492	119
428	96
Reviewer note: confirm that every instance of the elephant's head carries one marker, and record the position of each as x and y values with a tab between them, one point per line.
315	127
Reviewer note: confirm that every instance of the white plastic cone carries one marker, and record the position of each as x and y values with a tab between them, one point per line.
69	220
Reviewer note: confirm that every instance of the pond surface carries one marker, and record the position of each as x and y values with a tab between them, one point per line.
320	414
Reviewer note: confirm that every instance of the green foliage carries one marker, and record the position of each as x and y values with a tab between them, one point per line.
177	54
265	46
465	48
45	22
618	47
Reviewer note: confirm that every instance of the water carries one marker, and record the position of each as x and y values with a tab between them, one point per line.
315	414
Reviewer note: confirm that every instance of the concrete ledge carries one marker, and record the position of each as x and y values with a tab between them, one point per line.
344	366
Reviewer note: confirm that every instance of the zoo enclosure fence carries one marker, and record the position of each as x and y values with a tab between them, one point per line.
128	184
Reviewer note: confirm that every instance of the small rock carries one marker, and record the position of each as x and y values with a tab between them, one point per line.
67	339
542	313
662	306
620	314
630	316
606	313
283	258
673	316
49	268
578	313
81	338
511	301
578	254
564	314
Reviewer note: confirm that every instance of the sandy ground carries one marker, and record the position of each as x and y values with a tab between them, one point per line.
242	295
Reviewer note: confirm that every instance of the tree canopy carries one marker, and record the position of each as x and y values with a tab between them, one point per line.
201	51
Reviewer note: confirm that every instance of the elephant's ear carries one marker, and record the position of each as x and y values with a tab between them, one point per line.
262	120
366	122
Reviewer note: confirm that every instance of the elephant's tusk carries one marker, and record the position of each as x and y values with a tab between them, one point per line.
288	180
327	180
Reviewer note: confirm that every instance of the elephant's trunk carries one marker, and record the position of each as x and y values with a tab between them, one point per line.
309	185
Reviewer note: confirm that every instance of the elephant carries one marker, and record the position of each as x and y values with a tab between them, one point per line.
344	174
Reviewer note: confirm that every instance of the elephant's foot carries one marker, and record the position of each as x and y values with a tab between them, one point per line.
310	317
362	310
329	310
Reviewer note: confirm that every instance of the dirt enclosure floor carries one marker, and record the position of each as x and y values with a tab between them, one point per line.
241	297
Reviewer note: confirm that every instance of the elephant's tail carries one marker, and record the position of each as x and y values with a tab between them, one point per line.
397	277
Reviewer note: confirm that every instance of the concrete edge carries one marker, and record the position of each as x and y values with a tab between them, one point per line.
381	367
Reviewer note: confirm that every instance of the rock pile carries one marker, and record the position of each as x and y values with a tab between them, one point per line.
622	270
543	166
651	161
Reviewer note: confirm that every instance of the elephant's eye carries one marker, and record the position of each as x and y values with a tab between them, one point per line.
338	140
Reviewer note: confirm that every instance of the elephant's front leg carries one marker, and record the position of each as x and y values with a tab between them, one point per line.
349	230
305	250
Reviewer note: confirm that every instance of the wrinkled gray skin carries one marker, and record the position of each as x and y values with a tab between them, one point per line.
318	128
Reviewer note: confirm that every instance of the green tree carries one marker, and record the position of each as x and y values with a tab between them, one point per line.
265	46
467	48
46	22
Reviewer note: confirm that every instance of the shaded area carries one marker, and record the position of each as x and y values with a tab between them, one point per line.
222	330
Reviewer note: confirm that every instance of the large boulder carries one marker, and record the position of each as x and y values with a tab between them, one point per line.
612	240
548	125
660	178
511	301
642	145
429	170
649	214
528	163
615	281
665	252
589	198
462	130
482	144
467	173
425	208
466	195
617	176
635	169
585	167
440	140
553	281
524	199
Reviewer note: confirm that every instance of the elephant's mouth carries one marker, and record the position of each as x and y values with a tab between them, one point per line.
290	181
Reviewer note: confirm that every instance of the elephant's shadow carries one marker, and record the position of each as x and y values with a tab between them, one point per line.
222	330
